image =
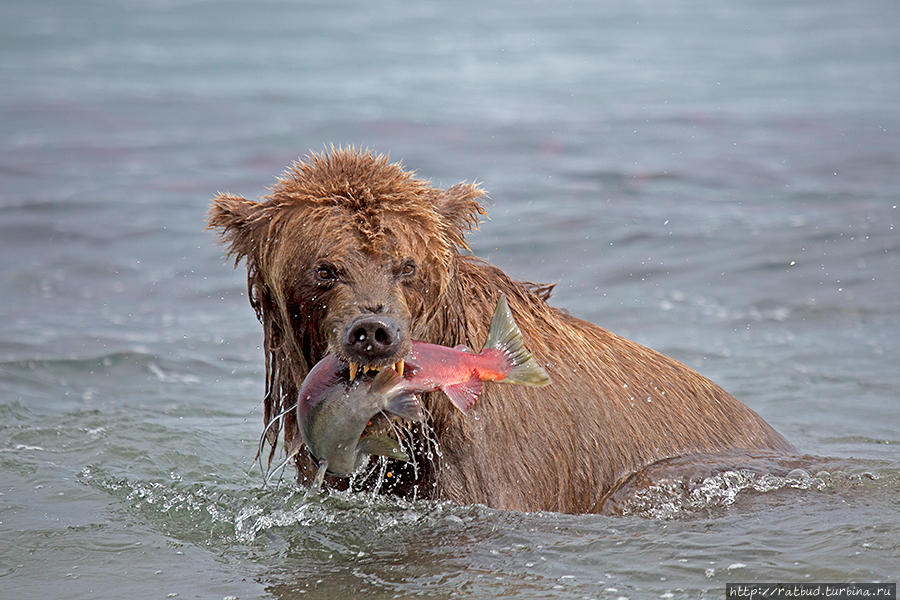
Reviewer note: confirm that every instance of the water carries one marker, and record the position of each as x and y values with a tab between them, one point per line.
717	181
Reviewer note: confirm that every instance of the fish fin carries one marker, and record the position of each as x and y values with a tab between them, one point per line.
400	401
505	335
382	445
384	381
463	395
405	404
316	484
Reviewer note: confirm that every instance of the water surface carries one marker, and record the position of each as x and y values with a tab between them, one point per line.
718	182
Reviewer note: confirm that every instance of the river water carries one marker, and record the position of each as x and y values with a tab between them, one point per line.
718	181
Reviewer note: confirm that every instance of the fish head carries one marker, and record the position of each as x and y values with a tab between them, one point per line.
335	415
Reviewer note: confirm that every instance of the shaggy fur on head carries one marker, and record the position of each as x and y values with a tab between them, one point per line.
613	408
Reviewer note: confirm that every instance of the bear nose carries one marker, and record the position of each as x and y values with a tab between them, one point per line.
370	338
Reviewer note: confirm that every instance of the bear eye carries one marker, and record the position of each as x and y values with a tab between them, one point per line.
325	273
408	269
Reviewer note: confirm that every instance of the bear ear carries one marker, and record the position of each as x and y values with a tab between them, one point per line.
240	223
460	207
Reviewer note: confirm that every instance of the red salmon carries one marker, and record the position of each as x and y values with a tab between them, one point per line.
459	372
333	410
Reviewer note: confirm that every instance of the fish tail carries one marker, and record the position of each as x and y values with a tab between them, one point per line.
505	335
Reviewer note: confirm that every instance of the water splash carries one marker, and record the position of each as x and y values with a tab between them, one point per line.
253	519
672	498
222	514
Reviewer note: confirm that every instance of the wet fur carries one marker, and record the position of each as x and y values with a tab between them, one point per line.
559	448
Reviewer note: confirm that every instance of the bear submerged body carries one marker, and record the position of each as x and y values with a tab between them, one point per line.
347	242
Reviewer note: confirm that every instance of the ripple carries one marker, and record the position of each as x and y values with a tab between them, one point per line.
125	366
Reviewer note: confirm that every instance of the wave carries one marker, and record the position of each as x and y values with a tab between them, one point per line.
165	369
714	310
672	489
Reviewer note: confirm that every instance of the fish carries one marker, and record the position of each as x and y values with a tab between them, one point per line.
334	409
333	412
460	373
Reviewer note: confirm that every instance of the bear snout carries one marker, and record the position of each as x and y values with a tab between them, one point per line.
372	339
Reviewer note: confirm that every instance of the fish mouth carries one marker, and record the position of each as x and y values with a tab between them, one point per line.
355	368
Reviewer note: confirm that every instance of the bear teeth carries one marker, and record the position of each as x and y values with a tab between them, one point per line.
354	368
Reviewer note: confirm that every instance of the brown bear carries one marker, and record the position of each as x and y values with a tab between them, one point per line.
349	246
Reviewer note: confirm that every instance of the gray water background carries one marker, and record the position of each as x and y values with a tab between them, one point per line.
718	181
